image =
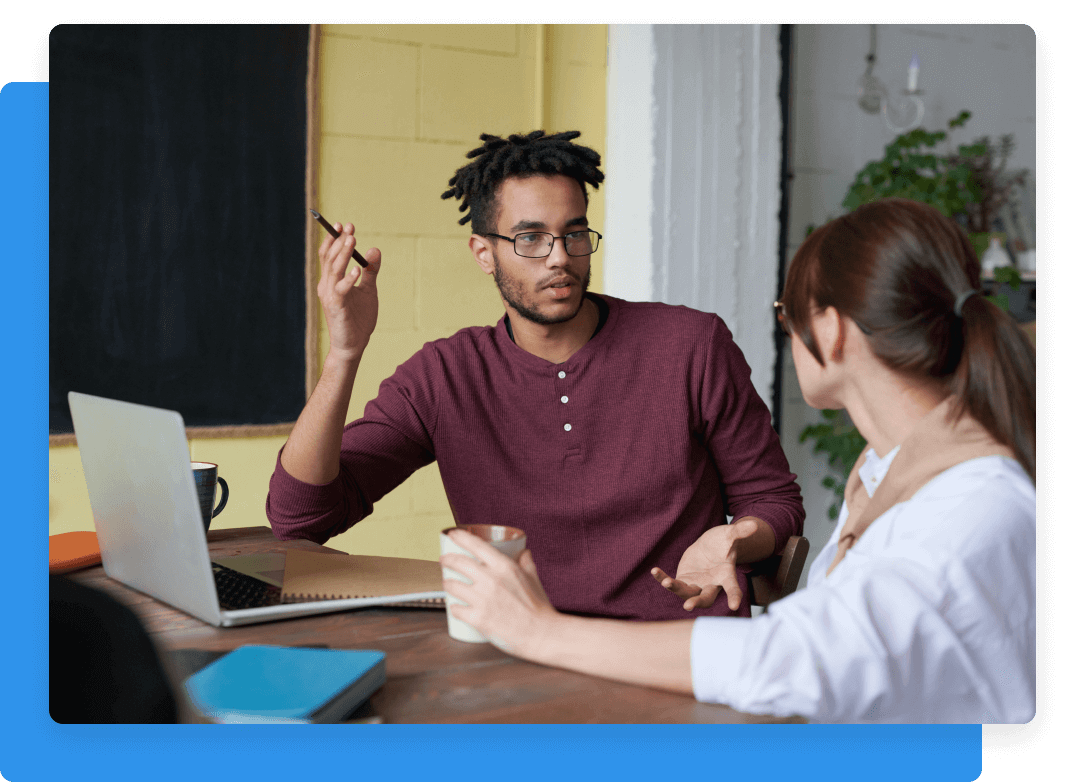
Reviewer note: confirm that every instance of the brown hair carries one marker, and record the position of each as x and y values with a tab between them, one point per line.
896	267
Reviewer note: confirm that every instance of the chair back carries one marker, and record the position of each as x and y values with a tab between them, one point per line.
775	577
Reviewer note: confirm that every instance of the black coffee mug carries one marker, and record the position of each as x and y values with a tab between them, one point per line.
206	476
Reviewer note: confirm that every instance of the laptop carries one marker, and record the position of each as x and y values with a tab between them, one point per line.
141	488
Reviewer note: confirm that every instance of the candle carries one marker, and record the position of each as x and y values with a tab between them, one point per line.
913	73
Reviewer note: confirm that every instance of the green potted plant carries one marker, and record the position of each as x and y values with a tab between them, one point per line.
969	184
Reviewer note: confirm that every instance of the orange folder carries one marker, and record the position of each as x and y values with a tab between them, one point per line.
72	550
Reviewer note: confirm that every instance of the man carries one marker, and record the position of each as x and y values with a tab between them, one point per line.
614	433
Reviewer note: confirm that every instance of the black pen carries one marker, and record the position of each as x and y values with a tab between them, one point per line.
331	230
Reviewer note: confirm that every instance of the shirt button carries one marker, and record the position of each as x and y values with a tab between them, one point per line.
561	374
567	427
565	399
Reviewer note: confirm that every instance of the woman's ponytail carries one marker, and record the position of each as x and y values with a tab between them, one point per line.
994	381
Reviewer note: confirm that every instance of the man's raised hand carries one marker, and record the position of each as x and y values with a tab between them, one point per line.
349	299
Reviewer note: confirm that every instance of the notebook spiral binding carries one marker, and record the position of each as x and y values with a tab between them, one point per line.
431	602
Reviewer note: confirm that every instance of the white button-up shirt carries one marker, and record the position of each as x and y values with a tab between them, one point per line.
930	617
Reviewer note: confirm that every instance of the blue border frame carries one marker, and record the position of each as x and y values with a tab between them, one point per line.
33	747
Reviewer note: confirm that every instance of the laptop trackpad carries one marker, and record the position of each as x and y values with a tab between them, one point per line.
266	567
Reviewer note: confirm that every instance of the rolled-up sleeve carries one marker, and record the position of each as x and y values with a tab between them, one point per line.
379	451
718	643
855	653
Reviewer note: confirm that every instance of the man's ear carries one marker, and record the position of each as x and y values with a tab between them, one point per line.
480	247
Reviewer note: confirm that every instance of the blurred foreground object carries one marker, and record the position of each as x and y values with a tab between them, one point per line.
102	665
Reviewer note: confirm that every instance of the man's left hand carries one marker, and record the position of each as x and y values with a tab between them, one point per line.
709	566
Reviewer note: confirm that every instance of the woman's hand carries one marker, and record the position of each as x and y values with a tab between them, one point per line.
505	602
508	605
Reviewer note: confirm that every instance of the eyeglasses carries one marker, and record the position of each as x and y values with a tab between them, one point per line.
779	311
540	245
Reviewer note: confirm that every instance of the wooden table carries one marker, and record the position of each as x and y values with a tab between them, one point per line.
431	678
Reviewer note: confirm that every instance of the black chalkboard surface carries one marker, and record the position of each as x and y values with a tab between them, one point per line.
177	219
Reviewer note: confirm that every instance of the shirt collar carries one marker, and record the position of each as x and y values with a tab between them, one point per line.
874	469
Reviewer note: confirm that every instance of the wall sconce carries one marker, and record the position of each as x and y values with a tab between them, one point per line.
901	113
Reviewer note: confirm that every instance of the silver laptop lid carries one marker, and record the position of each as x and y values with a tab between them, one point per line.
137	467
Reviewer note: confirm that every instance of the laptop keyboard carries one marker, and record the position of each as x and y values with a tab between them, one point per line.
237	590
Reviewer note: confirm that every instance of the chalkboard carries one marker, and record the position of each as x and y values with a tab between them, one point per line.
178	230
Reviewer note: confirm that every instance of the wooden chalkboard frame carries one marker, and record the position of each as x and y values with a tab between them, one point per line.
312	241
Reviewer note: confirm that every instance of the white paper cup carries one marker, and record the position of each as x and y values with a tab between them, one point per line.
509	540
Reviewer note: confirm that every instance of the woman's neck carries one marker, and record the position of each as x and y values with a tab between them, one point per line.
885	407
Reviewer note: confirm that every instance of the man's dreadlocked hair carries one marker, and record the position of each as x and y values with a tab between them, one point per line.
477	183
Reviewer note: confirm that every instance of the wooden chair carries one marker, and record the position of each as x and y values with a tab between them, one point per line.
775	577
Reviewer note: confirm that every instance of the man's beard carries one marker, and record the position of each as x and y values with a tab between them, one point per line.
511	291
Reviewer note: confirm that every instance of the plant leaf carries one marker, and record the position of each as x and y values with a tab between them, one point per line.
1001	300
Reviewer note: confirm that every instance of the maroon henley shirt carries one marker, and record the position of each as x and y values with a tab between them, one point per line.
613	462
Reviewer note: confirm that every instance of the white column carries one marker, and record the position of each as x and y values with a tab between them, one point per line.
628	259
693	133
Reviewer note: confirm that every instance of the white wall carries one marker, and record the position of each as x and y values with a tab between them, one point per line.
987	69
627	252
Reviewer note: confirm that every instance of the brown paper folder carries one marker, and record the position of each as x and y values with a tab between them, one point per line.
310	575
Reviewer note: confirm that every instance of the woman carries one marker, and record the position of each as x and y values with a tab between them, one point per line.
921	608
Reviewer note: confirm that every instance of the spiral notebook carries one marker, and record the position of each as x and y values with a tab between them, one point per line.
311	575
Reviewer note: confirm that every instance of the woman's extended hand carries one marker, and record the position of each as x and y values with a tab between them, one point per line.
505	602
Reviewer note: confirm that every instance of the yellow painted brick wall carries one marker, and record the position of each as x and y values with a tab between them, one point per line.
400	107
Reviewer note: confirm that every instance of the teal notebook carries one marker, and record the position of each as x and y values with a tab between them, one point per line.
260	684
